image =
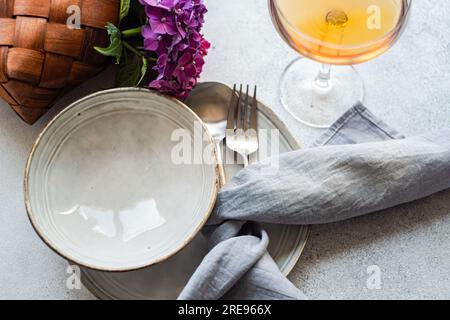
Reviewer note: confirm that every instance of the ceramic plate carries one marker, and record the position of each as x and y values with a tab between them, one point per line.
166	280
102	187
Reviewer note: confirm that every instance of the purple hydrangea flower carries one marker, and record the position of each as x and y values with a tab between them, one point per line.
161	21
173	33
151	40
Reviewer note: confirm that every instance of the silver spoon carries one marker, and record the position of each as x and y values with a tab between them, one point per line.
210	101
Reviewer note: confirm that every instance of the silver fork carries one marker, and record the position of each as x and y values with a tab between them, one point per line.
242	136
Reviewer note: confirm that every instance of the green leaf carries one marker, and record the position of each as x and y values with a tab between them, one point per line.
144	69
124	9
132	71
115	48
128	74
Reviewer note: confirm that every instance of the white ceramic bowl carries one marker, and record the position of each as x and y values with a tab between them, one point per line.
101	186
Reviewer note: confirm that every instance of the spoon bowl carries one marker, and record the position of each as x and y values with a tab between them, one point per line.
210	101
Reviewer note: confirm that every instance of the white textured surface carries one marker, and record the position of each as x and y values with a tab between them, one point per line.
409	88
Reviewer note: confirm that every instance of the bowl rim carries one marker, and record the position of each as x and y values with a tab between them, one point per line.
171	253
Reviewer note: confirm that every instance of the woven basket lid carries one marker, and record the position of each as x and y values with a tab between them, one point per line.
40	56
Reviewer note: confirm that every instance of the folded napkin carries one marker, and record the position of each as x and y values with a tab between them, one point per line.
359	166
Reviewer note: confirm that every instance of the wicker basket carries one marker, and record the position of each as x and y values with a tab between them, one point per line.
40	56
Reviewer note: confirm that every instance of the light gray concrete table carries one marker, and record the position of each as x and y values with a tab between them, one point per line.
409	87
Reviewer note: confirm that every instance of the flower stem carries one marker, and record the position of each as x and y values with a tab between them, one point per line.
132	49
137	52
132	32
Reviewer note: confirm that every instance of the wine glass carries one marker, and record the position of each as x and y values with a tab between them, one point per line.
332	32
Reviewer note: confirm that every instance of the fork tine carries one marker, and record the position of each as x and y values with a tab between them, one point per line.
232	110
253	114
243	114
245	110
239	110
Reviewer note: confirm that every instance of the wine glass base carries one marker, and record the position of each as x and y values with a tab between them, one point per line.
317	106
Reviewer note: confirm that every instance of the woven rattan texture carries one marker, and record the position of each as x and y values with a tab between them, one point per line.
40	56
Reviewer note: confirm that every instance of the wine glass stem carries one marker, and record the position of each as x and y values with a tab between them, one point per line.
322	84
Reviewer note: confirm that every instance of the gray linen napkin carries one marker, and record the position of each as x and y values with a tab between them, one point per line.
359	166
